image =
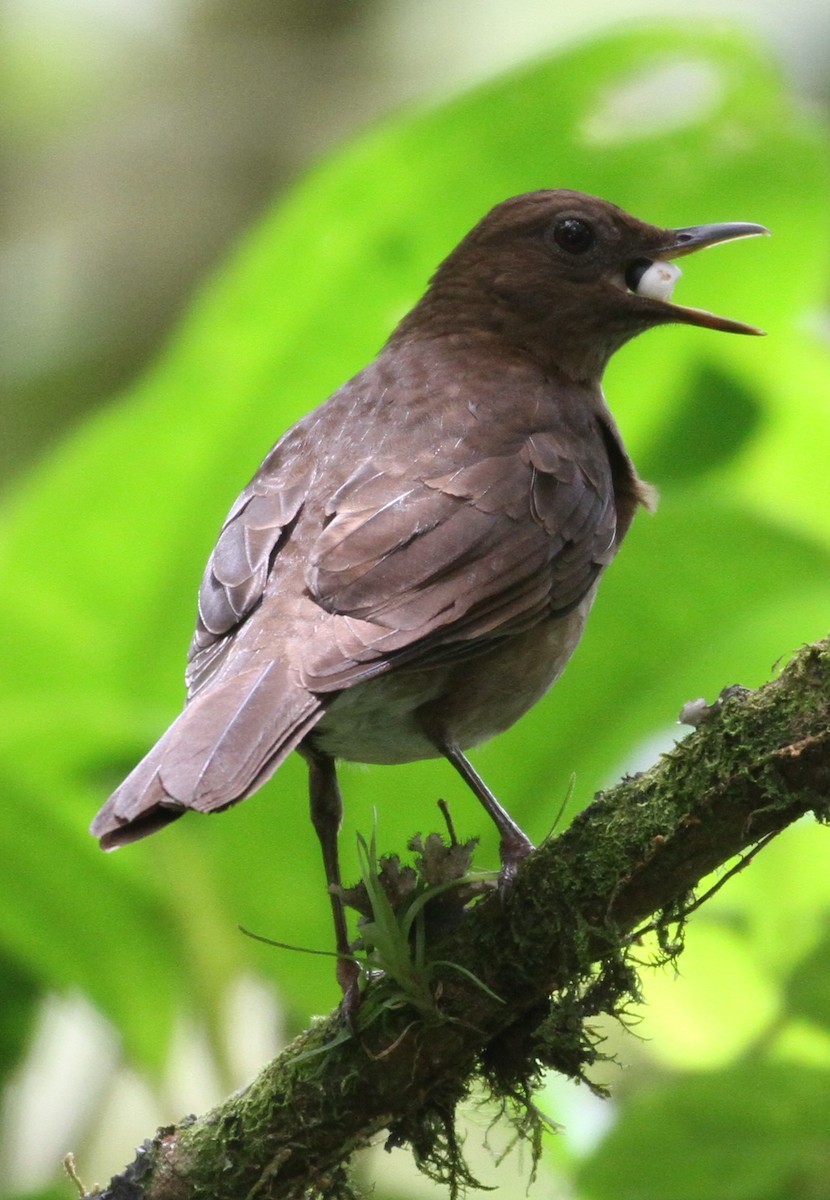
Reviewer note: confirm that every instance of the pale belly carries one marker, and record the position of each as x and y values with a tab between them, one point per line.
399	716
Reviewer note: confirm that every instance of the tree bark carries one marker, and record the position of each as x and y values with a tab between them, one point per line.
512	985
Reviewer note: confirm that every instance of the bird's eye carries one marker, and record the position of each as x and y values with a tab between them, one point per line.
574	235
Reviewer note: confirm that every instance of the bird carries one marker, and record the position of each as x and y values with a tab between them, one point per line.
412	565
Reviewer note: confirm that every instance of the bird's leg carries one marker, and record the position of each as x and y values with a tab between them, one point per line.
514	845
326	815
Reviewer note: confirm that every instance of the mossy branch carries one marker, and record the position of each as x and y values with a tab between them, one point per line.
551	953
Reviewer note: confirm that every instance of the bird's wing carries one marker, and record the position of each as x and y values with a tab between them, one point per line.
238	726
243	559
419	567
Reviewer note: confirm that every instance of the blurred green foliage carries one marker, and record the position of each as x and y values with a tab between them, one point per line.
755	1131
102	550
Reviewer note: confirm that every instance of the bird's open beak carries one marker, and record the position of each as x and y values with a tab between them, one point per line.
653	278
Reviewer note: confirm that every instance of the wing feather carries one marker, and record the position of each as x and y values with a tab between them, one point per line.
421	570
238	570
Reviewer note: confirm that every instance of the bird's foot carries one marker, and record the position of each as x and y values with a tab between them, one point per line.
512	851
348	976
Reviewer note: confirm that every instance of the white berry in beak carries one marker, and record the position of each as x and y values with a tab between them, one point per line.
655	280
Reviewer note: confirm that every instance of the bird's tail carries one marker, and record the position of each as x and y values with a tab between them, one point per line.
226	743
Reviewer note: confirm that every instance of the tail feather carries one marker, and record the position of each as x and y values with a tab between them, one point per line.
225	744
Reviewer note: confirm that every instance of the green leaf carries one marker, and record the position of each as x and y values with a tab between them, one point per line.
19	997
72	919
102	547
714	417
751	967
808	988
757	1132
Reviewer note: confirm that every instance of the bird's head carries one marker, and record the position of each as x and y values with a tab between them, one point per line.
570	278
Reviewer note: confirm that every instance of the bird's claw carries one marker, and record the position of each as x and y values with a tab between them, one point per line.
348	976
513	852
